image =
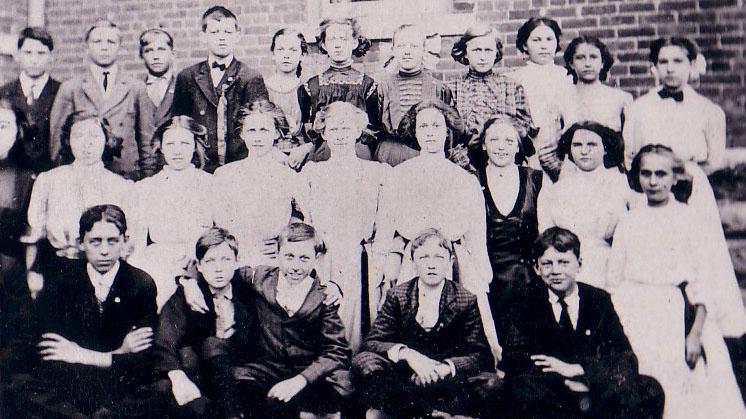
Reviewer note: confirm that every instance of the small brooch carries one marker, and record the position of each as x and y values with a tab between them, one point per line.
117	300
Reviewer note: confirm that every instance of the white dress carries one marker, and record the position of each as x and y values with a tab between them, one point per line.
654	250
256	200
174	210
60	196
603	104
342	202
589	204
432	192
695	130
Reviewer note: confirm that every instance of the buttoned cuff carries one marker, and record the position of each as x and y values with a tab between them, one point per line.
394	353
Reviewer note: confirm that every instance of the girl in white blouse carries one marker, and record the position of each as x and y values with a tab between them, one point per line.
429	191
342	204
588	60
256	194
675	115
549	90
659	274
590	200
60	195
174	206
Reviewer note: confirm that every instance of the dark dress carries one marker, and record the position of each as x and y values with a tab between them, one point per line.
334	85
509	240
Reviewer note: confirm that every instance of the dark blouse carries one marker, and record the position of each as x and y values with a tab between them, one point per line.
337	84
15	193
510	236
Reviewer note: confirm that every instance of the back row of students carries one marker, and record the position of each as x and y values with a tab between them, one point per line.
347	199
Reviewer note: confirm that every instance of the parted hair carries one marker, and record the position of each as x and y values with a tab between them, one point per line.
103	23
363	44
524	32
301	40
355	115
18	152
263	106
458	52
431	233
150	35
189	124
558	238
214	237
679	41
38	33
526	147
610	139
607	60
108	212
112	145
300	232
217	13
682	187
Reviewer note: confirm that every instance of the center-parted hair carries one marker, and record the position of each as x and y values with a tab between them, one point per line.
108	213
300	232
559	238
458	52
524	32
18	153
263	106
682	187
607	60
610	139
526	147
301	40
112	143
188	123
214	237
677	41
363	44
431	233
149	36
355	115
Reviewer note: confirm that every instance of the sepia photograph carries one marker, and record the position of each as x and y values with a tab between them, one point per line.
372	209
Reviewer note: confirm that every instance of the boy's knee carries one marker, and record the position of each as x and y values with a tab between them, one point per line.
366	364
213	346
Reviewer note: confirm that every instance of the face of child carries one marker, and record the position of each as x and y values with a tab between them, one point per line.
178	148
297	259
431	131
87	142
340	134
218	265
481	52
409	46
259	133
158	55
541	45
222	36
587	62
656	178
34	57
558	270
339	43
8	131
103	245
587	150
103	46
287	53
432	262
673	67
501	144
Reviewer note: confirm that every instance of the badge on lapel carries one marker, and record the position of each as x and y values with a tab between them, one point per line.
587	332
117	300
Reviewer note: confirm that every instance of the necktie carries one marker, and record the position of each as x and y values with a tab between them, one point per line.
564	321
222	126
221	67
106	80
677	96
31	95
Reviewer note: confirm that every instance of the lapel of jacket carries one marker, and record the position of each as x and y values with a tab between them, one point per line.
588	318
231	74
90	88
168	99
447	303
118	92
314	298
202	78
19	98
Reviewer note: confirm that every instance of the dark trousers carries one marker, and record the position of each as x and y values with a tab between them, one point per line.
387	386
539	395
327	395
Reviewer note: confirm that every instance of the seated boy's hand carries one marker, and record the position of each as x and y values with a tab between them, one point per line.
136	341
56	348
425	369
551	364
286	390
183	389
576	386
193	295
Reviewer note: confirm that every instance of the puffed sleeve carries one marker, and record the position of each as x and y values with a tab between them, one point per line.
386	215
37	210
629	132
715	137
476	236
617	256
544	205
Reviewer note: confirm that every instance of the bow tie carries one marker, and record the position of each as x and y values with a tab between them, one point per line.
219	66
677	96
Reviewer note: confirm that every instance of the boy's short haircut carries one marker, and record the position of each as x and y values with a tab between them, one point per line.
108	213
406	27
103	23
149	36
214	237
559	238
428	234
37	33
217	13
300	232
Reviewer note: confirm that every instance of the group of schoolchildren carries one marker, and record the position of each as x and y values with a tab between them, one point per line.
214	243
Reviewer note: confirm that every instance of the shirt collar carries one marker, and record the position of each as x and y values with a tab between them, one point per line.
226	60
98	72
27	82
225	292
423	292
106	279
285	285
572	300
150	79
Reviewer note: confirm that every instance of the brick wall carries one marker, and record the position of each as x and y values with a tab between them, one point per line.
12	20
626	26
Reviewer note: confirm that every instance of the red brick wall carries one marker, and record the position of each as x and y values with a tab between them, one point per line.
626	26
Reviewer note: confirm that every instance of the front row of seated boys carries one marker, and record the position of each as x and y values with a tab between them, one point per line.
268	342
